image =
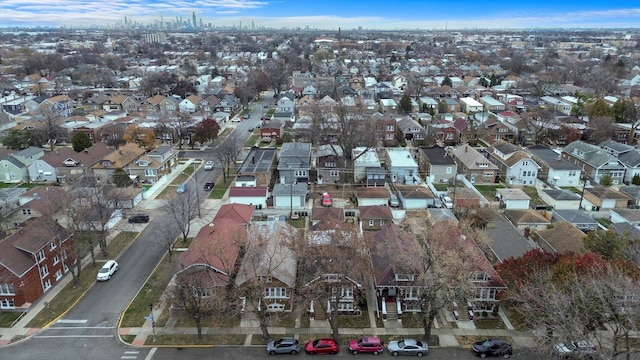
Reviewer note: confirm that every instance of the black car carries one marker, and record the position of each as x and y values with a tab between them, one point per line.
208	186
492	347
138	218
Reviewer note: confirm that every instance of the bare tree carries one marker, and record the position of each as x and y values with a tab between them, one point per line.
182	208
228	153
179	122
277	75
267	273
335	264
538	124
50	125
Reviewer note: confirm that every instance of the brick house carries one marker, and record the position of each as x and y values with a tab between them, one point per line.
32	260
374	217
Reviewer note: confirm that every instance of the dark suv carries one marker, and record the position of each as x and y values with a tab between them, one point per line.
139	218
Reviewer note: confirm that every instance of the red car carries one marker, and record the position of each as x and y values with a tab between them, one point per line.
326	200
322	346
370	344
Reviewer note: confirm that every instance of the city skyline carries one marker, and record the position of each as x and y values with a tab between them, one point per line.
331	14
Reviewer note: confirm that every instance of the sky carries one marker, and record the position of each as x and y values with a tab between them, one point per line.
329	14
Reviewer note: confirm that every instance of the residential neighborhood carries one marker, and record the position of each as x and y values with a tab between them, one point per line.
323	177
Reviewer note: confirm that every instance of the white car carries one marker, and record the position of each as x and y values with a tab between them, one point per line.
208	165
107	271
575	349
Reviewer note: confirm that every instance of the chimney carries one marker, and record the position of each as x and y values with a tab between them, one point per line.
466	148
253	159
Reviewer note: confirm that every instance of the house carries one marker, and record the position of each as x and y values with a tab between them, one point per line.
14	167
384	126
152	166
269	264
627	155
229	104
372	196
516	165
634	192
620	215
271	130
365	158
32	260
560	199
169	104
190	104
60	105
286	103
605	198
327	218
513	198
294	163
67	164
555	170
529	219
127	154
249	195
373	217
491	104
215	250
562	237
411	129
387	106
578	218
402	167
329	162
395	269
436	164
474	166
151	104
121	103
290	196
595	161
471	105
416	197
259	163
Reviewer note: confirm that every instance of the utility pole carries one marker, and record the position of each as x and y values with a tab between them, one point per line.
153	323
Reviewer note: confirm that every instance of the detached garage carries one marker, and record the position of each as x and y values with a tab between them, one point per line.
254	196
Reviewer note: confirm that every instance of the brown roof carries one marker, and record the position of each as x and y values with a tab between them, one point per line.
17	251
238	212
563	237
121	157
375	212
372	193
391	253
415	192
47	200
88	157
155	100
118	99
527	216
328	217
250	191
608	193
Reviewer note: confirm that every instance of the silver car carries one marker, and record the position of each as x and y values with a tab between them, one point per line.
408	347
283	346
208	165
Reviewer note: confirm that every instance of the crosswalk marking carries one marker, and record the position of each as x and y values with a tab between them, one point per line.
70	321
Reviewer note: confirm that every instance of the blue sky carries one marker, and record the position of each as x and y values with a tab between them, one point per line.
330	14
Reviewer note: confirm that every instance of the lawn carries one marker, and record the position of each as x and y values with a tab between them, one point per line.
8	317
605	222
252	140
354	321
489	323
489	191
298	223
441	186
118	244
411	320
206	340
221	187
533	194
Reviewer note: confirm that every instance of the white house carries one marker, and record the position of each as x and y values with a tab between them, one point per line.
470	105
402	167
41	171
367	160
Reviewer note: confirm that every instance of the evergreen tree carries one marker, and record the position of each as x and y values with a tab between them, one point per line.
80	141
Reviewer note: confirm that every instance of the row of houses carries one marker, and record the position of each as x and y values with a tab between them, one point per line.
63	165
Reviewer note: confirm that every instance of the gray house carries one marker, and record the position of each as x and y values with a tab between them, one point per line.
294	164
516	165
595	161
577	218
290	196
627	155
41	171
13	168
329	162
555	170
436	164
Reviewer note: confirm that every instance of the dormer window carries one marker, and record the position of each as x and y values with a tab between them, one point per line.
483	165
143	163
106	163
405	277
480	277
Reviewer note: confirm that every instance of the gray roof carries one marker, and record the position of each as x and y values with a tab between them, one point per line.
591	154
295	155
258	161
629	214
285	189
631	190
437	155
574	216
329	150
630	158
505	147
551	158
614	145
506	240
561	194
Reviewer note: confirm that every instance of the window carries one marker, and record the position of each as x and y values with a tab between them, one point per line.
381	222
264	279
405	277
58	274
449	170
411	293
480	277
26	211
389	127
44	271
47	285
331	278
275	307
56	260
40	255
371	222
345	306
334	173
300	173
275	292
52	245
389	136
150	172
64	253
7	304
6	289
201	292
330	164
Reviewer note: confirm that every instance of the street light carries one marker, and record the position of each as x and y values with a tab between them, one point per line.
195	179
153	323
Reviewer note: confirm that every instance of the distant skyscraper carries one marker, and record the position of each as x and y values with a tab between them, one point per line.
193	15
125	21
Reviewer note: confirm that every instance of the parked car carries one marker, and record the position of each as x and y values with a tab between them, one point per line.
326	200
408	347
322	346
107	270
581	349
208	165
393	201
492	347
369	344
447	202
237	119
182	188
139	218
251	129
283	346
209	185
